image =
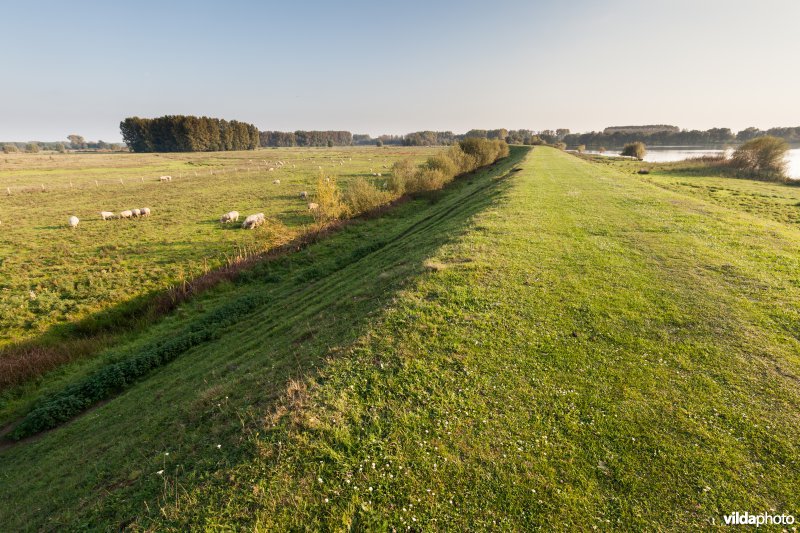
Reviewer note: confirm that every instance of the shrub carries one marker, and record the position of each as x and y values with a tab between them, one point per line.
463	161
765	156
443	163
402	172
10	149
561	146
32	148
581	148
60	148
362	196
485	151
426	179
329	200
379	143
636	149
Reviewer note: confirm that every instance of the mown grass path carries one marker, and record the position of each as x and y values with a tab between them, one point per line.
565	348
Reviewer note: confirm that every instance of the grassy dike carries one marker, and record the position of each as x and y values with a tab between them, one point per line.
563	348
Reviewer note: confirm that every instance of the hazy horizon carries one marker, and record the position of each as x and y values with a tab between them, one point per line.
385	69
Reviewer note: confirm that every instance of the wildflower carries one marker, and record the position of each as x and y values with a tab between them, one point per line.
160	472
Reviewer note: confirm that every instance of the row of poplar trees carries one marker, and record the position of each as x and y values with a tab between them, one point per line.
180	133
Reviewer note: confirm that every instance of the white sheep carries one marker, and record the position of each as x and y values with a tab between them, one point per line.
136	212
253	221
105	215
73	221
126	214
145	211
276	182
271	169
165	178
313	206
230	216
304	195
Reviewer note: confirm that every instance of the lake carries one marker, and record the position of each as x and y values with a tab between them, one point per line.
666	154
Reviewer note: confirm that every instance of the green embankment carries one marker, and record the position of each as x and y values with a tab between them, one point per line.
566	347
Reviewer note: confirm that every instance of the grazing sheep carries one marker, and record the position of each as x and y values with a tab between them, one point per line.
313	207
106	215
73	221
126	214
276	182
253	221
271	169
136	212
165	178
145	211
379	174
230	216
304	195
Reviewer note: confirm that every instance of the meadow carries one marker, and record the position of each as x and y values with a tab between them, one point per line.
547	343
54	276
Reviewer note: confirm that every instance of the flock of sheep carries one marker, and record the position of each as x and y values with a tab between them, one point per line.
250	222
107	215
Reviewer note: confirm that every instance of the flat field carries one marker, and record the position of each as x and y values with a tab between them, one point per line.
52	275
546	344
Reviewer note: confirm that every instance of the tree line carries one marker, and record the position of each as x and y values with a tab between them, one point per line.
713	136
306	138
180	133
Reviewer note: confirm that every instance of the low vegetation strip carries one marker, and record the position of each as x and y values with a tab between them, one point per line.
594	352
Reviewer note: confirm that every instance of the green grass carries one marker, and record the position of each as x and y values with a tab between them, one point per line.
52	275
567	347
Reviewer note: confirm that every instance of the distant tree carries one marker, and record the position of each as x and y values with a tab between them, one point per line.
330	143
749	133
762	155
500	134
379	143
10	149
76	142
60	148
561	133
32	148
635	149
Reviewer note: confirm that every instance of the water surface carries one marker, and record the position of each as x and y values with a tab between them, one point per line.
665	154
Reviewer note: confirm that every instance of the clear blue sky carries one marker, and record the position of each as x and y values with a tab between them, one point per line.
394	67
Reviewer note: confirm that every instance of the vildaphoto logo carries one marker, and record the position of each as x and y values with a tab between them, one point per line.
763	519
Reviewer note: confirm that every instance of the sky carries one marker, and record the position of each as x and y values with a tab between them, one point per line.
395	67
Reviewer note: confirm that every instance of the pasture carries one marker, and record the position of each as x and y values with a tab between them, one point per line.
53	275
